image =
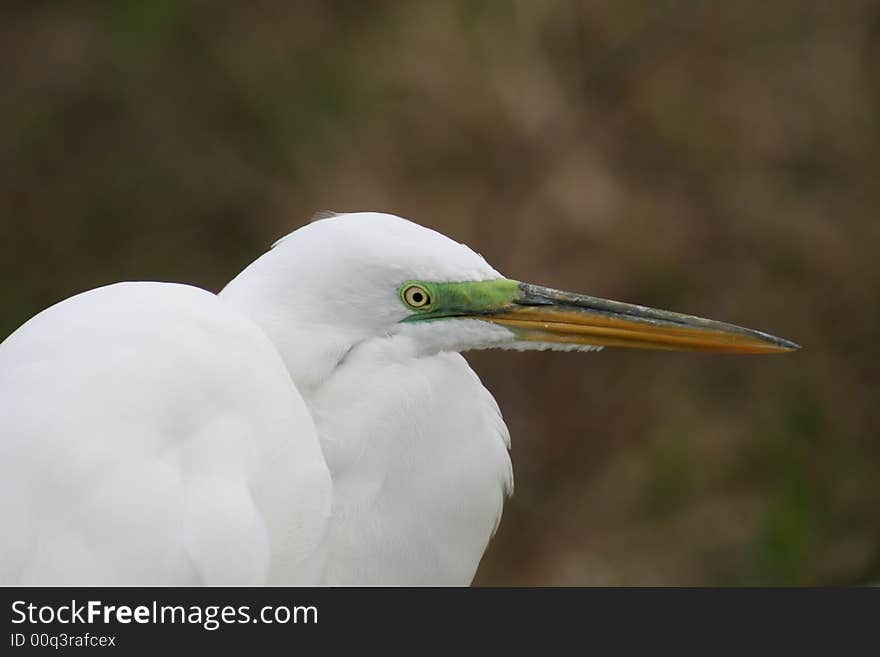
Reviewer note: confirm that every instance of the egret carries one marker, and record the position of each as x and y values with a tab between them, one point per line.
313	423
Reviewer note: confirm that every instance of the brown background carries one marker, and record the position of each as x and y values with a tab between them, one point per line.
713	158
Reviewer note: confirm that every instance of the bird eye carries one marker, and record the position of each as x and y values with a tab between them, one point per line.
416	296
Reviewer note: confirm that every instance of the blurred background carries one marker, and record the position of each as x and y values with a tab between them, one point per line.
719	159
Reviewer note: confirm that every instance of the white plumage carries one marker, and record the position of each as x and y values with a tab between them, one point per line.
313	423
156	433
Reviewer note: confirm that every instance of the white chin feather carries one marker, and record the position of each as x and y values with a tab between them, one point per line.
465	334
549	346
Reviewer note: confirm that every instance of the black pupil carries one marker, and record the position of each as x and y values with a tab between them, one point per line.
418	297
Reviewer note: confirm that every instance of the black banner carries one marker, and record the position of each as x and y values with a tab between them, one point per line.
129	620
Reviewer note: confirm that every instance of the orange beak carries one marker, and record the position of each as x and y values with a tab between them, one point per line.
542	314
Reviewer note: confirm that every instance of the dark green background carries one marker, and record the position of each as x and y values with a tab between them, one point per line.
720	159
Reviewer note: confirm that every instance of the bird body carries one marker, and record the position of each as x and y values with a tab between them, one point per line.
146	440
313	423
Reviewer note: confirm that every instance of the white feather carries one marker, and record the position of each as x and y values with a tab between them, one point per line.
288	430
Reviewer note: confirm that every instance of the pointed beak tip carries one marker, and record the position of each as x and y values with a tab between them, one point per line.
787	345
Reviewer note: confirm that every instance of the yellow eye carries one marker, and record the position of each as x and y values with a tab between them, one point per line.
416	296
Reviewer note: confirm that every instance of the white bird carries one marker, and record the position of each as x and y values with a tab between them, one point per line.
313	423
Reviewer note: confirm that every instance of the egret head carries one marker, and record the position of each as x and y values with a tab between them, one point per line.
358	276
